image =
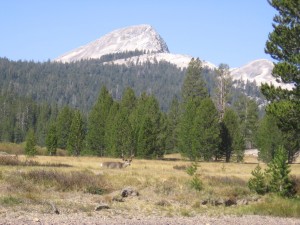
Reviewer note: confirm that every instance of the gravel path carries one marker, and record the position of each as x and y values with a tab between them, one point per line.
80	218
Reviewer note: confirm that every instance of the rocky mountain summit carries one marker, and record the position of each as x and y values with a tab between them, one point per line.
140	37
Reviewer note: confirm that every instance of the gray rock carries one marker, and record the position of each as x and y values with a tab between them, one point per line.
129	191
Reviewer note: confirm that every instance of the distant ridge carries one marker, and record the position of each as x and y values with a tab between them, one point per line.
259	71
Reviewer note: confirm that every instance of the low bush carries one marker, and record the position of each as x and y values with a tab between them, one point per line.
225	181
195	183
258	182
63	181
37	180
9	160
276	178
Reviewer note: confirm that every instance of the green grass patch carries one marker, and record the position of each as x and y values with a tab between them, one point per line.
275	206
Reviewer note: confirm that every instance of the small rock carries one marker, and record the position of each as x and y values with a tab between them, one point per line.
36	220
129	191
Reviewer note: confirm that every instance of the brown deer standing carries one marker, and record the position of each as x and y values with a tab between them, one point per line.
117	165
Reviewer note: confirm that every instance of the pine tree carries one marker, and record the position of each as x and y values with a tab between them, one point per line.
250	125
129	100
268	138
257	183
238	145
124	134
185	134
206	131
247	111
173	117
233	141
96	123
278	171
194	86
63	126
51	140
30	148
77	135
111	127
146	123
283	45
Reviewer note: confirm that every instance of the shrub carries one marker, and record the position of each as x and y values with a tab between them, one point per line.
192	169
275	178
258	182
9	160
63	181
278	172
195	183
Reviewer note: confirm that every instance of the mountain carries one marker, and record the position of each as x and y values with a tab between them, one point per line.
140	37
259	71
153	49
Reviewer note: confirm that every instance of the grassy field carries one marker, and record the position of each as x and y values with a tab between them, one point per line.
79	184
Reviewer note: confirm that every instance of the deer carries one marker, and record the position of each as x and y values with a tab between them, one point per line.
117	165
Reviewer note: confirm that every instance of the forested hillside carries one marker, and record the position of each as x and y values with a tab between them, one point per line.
78	84
59	112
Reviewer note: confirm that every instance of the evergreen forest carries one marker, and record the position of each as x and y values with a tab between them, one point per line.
92	107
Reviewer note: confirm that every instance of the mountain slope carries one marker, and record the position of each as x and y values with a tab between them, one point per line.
181	61
259	71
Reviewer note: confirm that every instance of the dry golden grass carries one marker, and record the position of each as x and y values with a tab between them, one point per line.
164	190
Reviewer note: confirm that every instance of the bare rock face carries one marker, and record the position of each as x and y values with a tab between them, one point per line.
140	37
259	71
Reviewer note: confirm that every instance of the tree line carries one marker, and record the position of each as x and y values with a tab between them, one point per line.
211	117
197	124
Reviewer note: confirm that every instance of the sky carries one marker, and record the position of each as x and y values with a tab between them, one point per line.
219	31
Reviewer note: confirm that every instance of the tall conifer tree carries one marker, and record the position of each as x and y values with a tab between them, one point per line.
283	45
77	135
96	123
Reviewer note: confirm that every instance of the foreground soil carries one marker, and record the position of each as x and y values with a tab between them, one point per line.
97	218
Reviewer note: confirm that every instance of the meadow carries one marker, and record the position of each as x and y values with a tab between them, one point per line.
161	187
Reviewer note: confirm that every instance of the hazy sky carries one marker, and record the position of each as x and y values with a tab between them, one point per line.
218	31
